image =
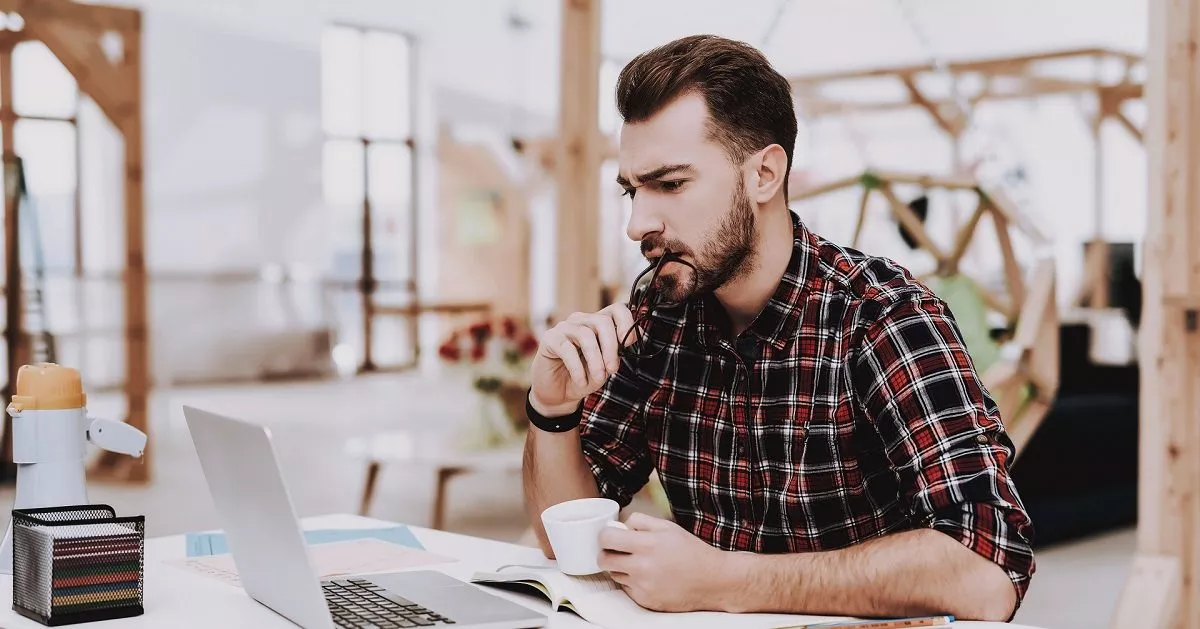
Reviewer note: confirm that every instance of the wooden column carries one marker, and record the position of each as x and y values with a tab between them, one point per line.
578	172
137	351
12	257
1165	568
1100	297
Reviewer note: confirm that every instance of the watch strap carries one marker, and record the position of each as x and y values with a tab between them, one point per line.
552	424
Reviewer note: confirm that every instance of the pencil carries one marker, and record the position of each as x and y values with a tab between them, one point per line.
897	623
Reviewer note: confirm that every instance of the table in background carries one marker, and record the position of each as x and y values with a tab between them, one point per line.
179	599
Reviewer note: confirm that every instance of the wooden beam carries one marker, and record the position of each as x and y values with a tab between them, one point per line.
1151	596
1012	269
801	194
1129	126
78	49
12	255
1169	351
137	333
913	224
949	182
1008	64
1001	204
581	145
951	127
963	240
862	217
99	16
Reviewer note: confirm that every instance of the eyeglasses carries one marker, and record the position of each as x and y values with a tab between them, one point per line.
644	297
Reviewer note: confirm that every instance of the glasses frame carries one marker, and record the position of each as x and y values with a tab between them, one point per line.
642	306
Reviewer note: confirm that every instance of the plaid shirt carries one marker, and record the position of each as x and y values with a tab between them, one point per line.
848	410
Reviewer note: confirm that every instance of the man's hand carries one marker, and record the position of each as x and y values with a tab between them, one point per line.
663	567
576	357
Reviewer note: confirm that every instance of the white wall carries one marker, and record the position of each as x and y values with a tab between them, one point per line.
233	132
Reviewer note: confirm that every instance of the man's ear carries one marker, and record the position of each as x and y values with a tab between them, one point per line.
772	168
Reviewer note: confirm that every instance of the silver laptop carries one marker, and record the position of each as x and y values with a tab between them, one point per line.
272	560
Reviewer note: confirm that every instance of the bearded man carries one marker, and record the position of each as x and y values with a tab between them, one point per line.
821	434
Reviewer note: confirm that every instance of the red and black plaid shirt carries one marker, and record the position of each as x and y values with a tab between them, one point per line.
849	410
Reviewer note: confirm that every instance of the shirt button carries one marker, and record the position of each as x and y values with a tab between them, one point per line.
981	439
741	449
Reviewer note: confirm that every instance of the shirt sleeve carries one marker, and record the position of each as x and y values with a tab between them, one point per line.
942	433
614	443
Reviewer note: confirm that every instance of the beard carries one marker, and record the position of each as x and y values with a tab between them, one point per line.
727	255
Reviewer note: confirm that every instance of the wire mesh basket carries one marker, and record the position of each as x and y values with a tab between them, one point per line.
77	564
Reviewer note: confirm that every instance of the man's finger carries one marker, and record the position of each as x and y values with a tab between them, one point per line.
622	579
610	561
568	354
623	321
642	522
621	540
606	332
584	338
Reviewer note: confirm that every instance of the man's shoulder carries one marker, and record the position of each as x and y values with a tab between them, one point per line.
871	283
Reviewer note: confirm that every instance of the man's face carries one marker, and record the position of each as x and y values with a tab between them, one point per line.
687	198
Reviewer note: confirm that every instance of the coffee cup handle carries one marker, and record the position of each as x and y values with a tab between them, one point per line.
616	524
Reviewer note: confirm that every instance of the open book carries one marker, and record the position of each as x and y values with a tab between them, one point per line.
601	601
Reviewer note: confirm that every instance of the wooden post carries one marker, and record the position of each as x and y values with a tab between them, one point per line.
12	257
1169	352
578	172
1099	296
366	283
137	332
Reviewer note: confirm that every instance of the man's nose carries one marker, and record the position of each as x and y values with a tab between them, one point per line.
642	222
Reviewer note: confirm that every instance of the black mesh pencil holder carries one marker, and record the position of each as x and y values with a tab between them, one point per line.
77	564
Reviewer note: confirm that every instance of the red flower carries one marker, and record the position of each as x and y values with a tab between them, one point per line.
510	328
450	351
480	331
477	352
528	345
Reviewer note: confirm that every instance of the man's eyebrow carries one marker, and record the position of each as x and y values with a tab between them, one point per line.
657	173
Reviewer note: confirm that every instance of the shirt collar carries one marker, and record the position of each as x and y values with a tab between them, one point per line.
779	321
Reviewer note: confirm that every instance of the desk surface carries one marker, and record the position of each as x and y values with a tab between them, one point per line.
178	599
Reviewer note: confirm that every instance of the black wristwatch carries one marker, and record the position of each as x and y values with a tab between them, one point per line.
552	424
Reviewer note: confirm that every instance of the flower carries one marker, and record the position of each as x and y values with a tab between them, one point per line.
498	353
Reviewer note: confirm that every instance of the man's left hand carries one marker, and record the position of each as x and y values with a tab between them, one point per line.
663	567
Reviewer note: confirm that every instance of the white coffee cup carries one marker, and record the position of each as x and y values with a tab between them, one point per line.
573	528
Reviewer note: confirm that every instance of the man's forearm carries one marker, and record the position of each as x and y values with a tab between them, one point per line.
921	572
554	471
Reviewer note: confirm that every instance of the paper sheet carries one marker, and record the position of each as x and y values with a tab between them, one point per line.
204	544
330	560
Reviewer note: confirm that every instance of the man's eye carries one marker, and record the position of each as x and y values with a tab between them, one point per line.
629	192
672	186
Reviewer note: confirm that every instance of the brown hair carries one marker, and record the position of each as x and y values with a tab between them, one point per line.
749	103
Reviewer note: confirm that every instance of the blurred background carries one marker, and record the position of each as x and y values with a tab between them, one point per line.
351	219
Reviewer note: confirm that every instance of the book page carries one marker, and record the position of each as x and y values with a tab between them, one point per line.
559	587
614	610
601	601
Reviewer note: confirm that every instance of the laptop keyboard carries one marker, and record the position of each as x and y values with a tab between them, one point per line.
360	604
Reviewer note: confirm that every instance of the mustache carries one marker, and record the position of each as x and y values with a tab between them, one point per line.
658	243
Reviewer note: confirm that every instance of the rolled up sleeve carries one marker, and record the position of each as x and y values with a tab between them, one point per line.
943	434
614	443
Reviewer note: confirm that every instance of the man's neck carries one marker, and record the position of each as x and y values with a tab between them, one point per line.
746	296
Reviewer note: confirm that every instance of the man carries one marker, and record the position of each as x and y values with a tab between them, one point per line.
803	403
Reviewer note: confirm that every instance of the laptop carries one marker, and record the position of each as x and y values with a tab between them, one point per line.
272	559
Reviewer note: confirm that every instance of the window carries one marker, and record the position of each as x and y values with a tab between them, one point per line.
367	112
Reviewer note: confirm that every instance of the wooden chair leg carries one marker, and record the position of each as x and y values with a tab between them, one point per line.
369	487
444	474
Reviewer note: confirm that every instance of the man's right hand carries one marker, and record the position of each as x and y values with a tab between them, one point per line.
576	357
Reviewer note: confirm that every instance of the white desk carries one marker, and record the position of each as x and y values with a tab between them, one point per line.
178	599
